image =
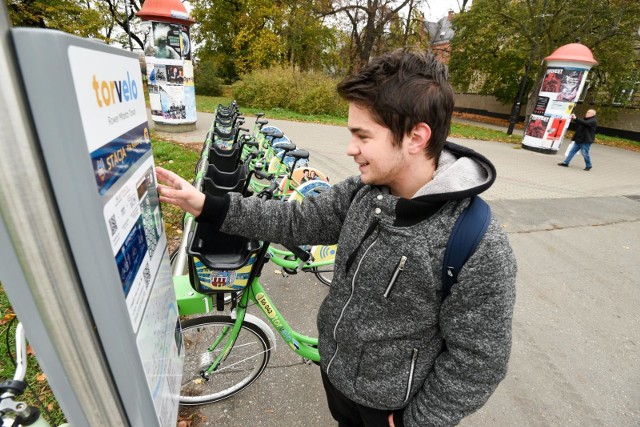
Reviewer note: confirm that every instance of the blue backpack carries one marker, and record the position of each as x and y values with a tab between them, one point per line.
467	232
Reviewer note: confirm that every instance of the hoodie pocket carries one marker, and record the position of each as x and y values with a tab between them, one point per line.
396	273
388	372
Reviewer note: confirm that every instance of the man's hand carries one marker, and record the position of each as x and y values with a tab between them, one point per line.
391	424
179	192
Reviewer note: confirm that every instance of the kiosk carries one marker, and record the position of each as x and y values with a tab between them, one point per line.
82	188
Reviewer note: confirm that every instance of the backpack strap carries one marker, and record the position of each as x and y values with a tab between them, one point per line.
467	232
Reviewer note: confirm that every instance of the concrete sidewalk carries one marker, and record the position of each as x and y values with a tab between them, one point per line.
576	330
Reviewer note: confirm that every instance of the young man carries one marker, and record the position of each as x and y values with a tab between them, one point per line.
394	353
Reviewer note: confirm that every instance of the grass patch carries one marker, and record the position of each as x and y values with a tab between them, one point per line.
208	104
627	144
462	130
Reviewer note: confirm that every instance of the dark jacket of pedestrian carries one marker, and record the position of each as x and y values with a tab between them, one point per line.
586	130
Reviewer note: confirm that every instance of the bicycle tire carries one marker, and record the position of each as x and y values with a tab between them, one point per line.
323	274
246	361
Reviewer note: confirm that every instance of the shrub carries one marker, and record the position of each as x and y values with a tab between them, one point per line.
309	93
205	80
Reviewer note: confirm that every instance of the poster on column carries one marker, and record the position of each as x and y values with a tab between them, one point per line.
169	72
551	114
110	94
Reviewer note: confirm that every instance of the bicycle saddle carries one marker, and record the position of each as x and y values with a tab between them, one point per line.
299	154
287	146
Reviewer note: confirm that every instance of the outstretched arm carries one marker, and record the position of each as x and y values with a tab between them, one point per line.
179	192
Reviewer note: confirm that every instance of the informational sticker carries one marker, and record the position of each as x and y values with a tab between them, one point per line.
111	100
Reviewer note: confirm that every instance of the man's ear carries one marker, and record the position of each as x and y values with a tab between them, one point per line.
420	136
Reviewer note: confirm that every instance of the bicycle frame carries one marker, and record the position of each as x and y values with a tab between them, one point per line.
279	257
191	302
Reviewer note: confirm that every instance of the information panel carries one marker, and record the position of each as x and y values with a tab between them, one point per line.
110	97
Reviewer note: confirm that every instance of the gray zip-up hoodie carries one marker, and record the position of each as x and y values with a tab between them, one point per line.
386	338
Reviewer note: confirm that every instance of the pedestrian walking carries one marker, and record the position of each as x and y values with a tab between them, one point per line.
584	136
394	351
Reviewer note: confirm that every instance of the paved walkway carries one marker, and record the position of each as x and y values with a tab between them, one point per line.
576	330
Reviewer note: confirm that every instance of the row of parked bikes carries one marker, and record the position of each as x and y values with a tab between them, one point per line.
217	279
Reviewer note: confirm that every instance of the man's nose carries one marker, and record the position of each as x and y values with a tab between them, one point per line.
352	148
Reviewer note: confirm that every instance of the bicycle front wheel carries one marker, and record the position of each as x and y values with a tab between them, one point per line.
245	363
324	274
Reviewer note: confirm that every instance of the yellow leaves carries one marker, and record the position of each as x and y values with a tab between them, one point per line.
41	377
9	315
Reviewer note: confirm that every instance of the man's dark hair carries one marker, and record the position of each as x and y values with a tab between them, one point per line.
401	89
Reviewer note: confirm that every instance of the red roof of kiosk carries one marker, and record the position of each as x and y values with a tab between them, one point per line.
570	52
165	10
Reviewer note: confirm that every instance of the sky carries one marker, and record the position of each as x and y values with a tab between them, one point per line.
436	9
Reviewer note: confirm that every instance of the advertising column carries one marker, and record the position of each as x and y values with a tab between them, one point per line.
169	73
564	80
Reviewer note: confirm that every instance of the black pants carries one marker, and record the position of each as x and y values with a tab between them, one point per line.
350	414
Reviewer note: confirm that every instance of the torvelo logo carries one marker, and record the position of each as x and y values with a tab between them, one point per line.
110	92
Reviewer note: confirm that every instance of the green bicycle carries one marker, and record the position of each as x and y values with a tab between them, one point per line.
224	354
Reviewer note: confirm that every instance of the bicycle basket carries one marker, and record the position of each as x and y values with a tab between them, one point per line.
219	262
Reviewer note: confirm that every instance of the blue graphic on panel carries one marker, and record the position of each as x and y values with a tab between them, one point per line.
114	159
129	257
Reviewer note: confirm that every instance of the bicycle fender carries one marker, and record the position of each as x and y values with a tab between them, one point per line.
250	318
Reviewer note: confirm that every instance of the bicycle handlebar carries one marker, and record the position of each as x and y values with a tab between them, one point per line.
13	412
299	253
262	175
21	354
